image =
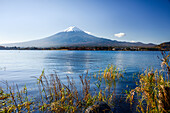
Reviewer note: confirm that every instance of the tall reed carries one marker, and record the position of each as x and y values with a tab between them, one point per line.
153	90
58	97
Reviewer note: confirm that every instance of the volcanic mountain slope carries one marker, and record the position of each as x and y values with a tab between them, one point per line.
73	36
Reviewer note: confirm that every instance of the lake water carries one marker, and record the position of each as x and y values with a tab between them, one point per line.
21	66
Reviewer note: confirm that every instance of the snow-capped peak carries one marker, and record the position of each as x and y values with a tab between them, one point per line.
72	28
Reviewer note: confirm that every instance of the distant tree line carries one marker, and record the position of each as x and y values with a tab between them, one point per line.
109	48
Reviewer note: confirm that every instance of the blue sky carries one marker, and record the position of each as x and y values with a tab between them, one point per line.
146	21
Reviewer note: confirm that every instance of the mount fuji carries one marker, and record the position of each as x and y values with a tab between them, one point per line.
76	37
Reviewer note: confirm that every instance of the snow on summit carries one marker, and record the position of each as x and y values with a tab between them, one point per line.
72	28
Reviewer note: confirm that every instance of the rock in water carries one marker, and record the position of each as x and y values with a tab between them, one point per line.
98	107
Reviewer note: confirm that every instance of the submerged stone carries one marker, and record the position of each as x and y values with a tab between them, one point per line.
98	107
